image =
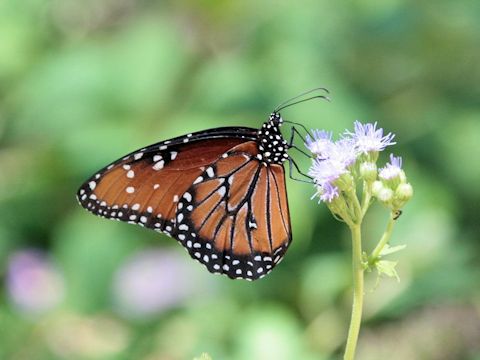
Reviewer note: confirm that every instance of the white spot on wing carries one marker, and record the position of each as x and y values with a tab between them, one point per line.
210	172
222	191
159	165
187	196
130	189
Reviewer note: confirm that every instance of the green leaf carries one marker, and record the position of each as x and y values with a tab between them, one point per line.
388	268
387	250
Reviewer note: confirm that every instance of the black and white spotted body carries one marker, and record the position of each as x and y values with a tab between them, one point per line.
271	144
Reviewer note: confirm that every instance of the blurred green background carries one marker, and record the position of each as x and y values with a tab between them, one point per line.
84	82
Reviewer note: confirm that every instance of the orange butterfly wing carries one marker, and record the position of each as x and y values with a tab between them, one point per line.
224	205
144	187
234	218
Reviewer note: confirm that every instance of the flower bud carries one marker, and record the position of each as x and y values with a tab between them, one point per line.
377	186
385	195
368	171
345	182
392	174
404	192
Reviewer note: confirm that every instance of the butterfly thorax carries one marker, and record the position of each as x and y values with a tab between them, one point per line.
271	144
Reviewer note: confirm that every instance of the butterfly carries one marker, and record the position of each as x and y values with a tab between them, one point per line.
220	193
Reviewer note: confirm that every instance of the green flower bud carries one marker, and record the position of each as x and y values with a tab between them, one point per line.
373	156
368	171
377	186
385	195
345	182
404	192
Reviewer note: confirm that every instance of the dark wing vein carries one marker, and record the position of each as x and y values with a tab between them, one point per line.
269	225
287	228
241	166
251	188
210	194
232	232
222	184
204	221
247	226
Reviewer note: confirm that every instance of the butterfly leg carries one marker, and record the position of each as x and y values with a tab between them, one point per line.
301	125
293	164
291	145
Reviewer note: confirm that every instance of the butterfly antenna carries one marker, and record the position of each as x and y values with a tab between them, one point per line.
292	101
303	100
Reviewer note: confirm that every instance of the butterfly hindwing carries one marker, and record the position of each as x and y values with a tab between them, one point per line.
234	218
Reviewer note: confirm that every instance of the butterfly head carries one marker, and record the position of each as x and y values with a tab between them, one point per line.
275	119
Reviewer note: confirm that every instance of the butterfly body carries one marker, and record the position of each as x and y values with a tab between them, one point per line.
271	144
221	193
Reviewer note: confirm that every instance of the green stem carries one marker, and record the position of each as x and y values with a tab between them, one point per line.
366	197
383	241
357	306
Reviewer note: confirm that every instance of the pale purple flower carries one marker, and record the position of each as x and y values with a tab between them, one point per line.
320	142
154	281
34	284
368	138
343	151
334	161
328	192
326	171
392	169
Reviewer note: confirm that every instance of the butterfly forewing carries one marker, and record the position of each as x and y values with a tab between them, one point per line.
144	187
